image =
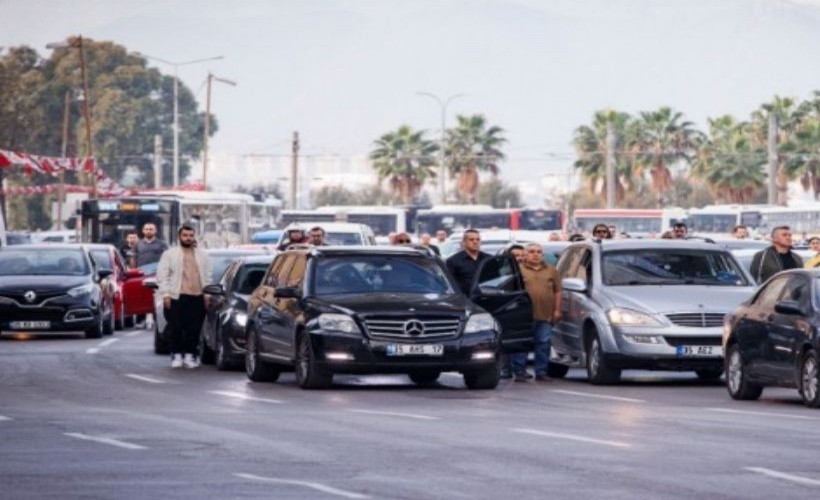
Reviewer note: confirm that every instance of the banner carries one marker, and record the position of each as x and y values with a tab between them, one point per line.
35	164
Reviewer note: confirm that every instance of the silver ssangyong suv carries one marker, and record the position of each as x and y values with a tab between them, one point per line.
645	304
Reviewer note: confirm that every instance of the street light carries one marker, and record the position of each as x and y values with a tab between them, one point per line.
211	77
442	169
77	43
176	66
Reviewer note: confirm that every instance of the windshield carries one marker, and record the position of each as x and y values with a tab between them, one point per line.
671	267
345	239
103	259
43	262
376	274
381	224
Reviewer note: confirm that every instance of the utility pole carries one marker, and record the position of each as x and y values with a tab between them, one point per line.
61	185
157	161
772	193
211	78
294	170
610	165
87	113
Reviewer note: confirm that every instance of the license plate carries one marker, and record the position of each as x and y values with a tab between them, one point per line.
415	349
30	325
694	351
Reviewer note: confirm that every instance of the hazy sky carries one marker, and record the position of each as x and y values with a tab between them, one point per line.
342	72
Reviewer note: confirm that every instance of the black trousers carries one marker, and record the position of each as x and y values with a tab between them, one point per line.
186	316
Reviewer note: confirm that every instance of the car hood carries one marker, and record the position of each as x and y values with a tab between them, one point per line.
663	299
41	283
396	303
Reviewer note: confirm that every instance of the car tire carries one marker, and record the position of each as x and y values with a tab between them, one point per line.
308	374
256	369
224	360
554	370
482	380
737	379
424	377
161	345
128	321
109	324
709	374
119	324
598	373
207	355
810	380
96	331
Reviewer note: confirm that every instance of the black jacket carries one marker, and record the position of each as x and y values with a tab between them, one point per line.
766	264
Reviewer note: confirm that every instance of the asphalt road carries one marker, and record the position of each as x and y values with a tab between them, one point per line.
109	419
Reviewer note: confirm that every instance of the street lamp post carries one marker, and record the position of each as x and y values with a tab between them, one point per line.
176	66
442	168
211	77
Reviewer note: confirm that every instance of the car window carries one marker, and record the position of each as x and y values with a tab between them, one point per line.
273	272
248	277
797	289
43	262
766	298
670	267
569	262
380	274
282	273
297	271
346	239
227	277
499	273
103	259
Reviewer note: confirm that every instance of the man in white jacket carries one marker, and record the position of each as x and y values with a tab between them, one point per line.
182	273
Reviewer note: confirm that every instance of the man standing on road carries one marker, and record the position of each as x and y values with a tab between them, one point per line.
464	264
543	285
150	248
778	257
182	273
129	250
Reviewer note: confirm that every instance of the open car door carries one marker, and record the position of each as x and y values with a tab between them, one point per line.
499	289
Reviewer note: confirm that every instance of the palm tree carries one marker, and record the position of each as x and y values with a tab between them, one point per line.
662	140
472	147
729	161
406	159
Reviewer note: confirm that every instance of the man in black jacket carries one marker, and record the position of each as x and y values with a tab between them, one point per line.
464	264
778	257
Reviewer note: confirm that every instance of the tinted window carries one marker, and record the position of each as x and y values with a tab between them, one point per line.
798	290
769	295
346	239
670	267
248	277
373	274
103	259
43	262
297	271
499	273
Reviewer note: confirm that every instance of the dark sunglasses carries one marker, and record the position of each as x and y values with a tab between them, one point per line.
402	241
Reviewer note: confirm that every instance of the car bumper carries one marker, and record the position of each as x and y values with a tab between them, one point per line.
667	349
47	318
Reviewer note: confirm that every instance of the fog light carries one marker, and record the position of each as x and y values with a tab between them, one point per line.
483	355
339	356
643	339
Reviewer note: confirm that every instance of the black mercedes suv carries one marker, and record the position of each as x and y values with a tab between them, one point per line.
327	310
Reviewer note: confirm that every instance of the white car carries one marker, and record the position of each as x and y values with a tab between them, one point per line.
336	233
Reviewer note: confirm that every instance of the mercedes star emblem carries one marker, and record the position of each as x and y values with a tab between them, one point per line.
30	296
413	327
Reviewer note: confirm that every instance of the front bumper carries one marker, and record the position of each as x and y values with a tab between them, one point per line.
60	318
677	348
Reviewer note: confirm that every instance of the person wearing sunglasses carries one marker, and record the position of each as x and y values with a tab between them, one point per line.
402	239
601	231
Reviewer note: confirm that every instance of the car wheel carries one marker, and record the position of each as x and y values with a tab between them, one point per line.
108	324
709	373
424	378
128	321
737	380
256	369
95	331
224	361
598	373
484	379
554	370
206	354
308	375
810	380
161	345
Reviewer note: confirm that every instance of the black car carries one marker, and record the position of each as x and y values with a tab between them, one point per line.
53	288
772	339
222	340
327	310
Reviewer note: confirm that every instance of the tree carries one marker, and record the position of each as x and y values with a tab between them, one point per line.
789	116
498	194
406	159
472	147
590	145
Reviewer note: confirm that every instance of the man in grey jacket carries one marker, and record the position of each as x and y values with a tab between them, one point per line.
149	248
778	257
182	273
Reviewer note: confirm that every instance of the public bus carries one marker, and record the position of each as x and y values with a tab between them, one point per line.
220	219
636	222
720	220
537	219
383	220
453	218
804	220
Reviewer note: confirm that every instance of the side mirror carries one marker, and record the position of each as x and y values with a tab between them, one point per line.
287	293
134	273
215	289
574	285
104	273
150	283
788	307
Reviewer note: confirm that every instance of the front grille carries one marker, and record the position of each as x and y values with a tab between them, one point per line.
18	296
676	341
697	319
394	327
53	314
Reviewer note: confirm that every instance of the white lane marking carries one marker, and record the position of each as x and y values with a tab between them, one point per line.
104	343
573	437
782	475
599	396
307	484
396	414
133	334
761	413
5	419
112	442
143	378
239	395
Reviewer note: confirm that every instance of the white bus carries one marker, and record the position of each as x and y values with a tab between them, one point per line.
804	219
637	222
383	220
720	220
454	218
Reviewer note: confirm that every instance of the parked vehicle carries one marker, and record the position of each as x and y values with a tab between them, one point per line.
131	298
54	288
772	339
223	334
327	310
648	304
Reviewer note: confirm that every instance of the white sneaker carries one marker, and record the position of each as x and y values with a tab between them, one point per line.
176	361
190	361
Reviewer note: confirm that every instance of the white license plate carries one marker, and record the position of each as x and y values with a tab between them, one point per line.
30	325
694	351
415	349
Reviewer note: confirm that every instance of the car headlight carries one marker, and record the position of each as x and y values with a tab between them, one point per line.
630	317
79	291
338	323
480	322
241	319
